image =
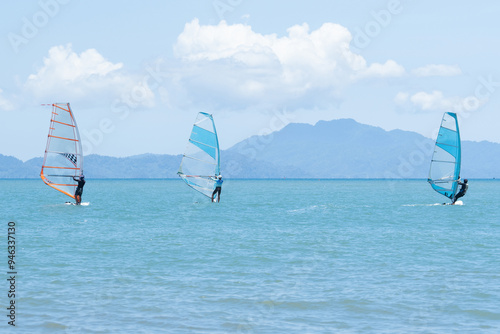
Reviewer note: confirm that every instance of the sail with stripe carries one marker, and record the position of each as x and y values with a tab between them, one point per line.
201	162
63	157
445	164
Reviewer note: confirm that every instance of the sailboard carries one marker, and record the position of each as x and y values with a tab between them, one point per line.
444	172
63	157
201	161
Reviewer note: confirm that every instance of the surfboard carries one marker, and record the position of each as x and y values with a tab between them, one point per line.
459	202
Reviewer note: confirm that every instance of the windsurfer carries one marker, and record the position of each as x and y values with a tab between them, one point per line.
463	190
218	187
79	188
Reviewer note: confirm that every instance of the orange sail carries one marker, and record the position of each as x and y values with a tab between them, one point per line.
63	154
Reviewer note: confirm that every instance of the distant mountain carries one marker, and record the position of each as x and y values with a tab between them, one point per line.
11	167
329	149
145	166
347	149
137	166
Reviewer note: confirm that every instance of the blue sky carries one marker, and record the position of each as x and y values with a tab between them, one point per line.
137	74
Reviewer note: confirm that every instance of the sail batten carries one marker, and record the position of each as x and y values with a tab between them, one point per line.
205	161
47	167
64	123
199	142
63	157
444	161
62	137
444	172
200	162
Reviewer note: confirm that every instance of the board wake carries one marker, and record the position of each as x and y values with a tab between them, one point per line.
435	204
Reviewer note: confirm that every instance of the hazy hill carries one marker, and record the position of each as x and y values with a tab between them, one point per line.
347	149
329	149
137	166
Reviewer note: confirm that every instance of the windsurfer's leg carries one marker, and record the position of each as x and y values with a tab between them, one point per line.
78	196
459	195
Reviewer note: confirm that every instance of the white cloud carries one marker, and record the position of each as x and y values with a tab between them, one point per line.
401	98
437	101
87	76
433	101
236	61
437	70
5	104
389	69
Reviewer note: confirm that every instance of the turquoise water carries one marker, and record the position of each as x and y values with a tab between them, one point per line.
279	256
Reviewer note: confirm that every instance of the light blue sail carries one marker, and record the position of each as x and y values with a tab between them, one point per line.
205	140
201	161
444	172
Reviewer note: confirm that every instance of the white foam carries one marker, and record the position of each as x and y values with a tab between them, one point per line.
82	203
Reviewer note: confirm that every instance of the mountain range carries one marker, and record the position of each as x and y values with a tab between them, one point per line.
329	149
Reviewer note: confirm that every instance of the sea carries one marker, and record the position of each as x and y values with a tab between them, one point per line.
274	256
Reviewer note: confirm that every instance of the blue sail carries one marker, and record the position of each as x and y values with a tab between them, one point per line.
445	164
205	140
201	162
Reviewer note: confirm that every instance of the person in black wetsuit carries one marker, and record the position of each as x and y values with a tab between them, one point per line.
79	188
463	190
218	187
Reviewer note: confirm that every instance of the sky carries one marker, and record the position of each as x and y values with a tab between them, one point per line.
136	74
